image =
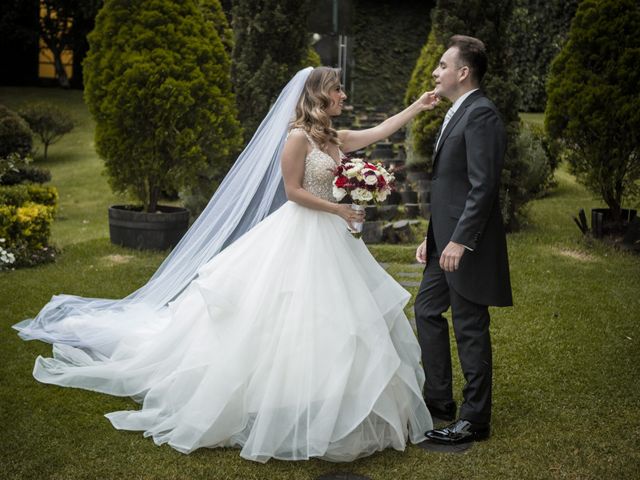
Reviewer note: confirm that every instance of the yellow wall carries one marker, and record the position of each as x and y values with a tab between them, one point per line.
46	66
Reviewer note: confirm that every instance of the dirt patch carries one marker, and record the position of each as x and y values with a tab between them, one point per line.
118	259
574	254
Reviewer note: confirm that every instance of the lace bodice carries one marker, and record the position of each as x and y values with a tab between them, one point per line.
318	171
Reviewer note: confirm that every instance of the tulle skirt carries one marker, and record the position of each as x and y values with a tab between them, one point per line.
291	343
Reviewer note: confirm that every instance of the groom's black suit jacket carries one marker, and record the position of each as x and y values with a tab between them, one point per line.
464	201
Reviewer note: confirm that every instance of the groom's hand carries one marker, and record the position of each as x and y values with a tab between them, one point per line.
451	255
421	252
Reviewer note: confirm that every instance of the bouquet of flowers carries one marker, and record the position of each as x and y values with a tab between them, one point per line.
363	181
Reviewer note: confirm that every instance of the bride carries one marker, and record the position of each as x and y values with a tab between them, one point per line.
276	332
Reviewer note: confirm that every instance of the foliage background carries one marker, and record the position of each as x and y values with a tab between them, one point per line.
537	31
387	38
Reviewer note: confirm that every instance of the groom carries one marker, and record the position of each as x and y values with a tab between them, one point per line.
465	250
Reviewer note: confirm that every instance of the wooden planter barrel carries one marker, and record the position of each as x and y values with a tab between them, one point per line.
131	227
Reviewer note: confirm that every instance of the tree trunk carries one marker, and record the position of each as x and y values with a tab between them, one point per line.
61	73
154	196
614	205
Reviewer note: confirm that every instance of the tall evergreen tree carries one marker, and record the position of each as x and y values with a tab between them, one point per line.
157	82
594	105
271	44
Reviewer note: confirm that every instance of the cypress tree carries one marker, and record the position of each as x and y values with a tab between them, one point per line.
157	83
593	105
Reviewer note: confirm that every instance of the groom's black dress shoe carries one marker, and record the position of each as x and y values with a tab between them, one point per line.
460	431
442	415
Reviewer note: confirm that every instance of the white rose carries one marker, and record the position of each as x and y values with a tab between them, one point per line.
353	171
339	193
371	179
361	194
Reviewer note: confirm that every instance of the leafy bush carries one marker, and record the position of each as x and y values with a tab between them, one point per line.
48	122
26	230
17	195
24	174
593	105
30	222
531	176
15	135
157	82
26	215
534	150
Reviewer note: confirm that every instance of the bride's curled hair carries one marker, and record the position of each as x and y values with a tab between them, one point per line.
311	112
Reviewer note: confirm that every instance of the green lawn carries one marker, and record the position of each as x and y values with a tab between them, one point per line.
77	170
567	359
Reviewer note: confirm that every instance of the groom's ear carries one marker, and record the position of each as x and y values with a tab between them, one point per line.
464	73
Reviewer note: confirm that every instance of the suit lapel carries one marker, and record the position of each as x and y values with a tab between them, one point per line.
456	117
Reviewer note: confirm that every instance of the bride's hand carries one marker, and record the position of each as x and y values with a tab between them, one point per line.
349	214
429	100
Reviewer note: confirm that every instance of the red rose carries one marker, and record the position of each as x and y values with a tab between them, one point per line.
341	181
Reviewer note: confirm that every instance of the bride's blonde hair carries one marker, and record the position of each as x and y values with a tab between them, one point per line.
311	112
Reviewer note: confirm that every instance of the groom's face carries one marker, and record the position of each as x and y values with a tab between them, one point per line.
446	74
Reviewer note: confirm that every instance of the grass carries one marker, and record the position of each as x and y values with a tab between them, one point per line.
76	168
566	357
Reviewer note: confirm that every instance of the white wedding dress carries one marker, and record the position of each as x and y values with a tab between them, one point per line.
291	343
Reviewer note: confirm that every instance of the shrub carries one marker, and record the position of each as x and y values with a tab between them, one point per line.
17	195
529	177
593	104
534	150
15	135
11	164
24	174
157	83
48	122
26	215
26	227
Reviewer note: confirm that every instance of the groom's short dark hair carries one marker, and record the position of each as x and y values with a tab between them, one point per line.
471	53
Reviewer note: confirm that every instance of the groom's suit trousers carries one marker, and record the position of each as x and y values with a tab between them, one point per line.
471	327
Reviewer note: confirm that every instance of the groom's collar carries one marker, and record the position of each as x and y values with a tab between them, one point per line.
464	101
462	98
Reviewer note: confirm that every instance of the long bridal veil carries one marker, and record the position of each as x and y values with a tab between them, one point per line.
250	191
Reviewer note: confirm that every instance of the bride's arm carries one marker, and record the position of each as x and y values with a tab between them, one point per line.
353	140
292	163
